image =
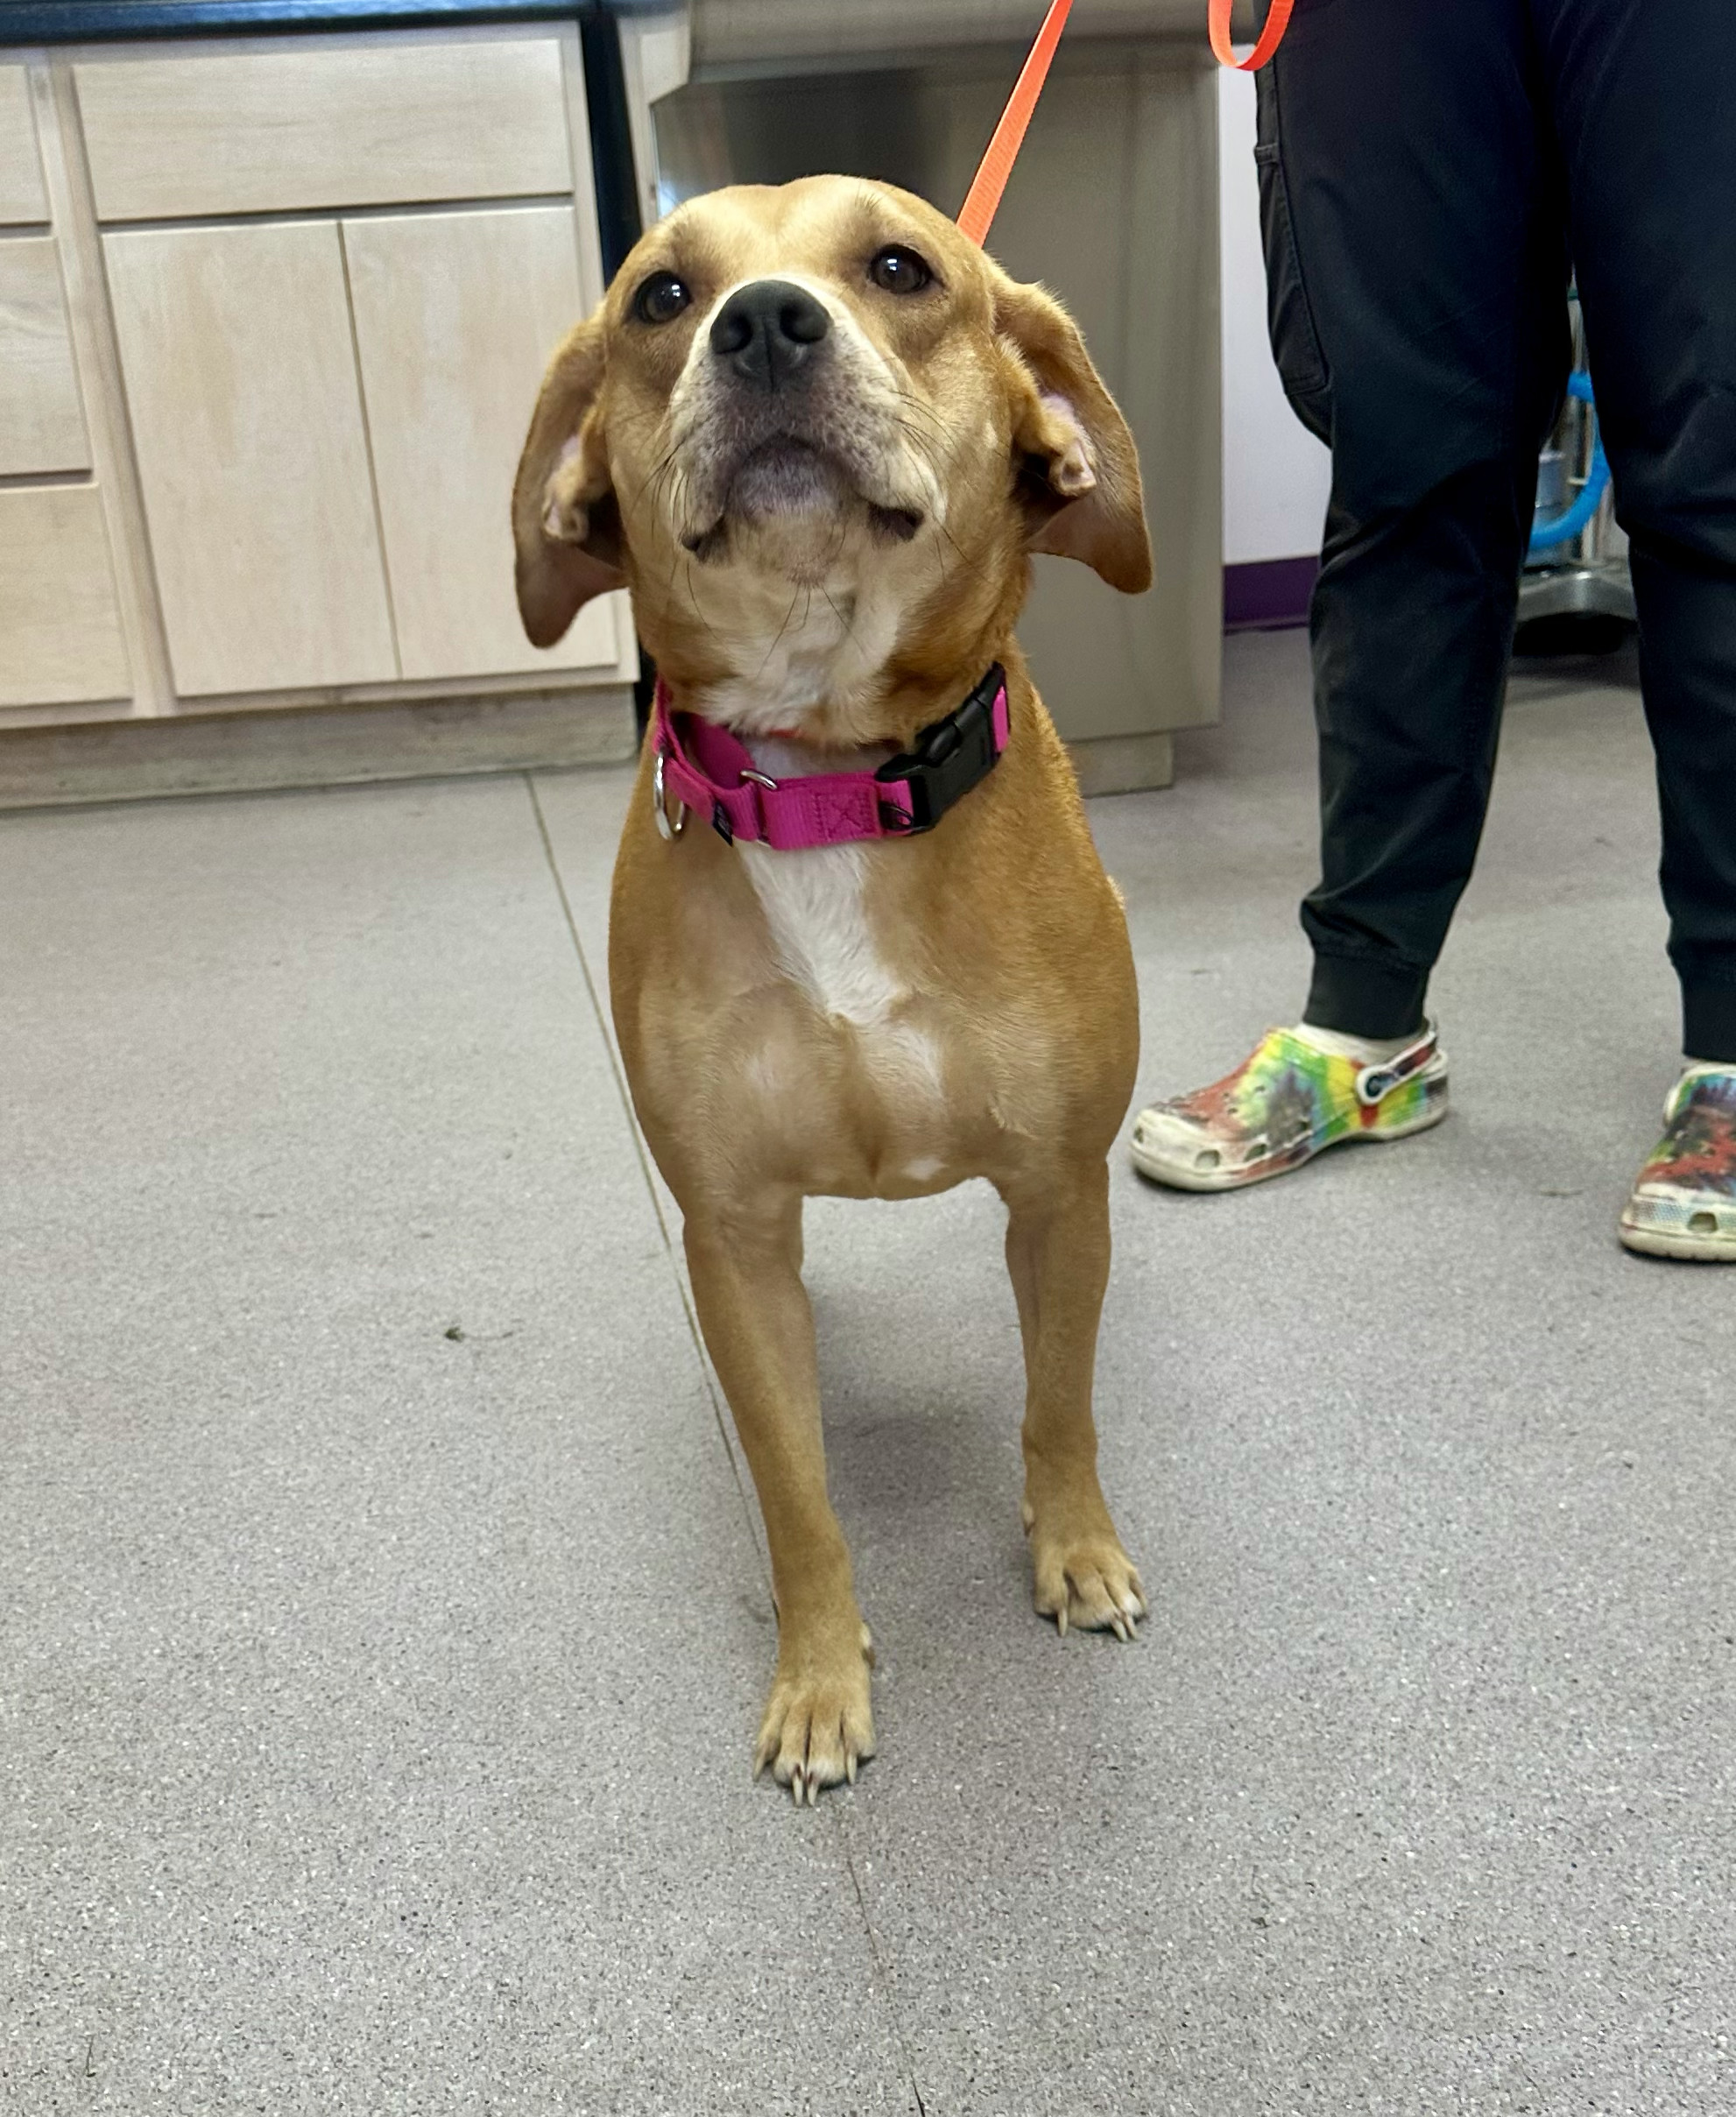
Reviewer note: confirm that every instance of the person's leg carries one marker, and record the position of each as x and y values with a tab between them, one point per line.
1647	126
1414	231
1417	270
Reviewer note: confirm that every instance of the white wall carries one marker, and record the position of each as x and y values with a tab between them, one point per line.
1275	474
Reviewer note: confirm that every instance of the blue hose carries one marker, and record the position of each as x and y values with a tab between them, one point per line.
1563	528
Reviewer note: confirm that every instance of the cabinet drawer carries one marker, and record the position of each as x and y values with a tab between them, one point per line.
21	193
292	131
41	424
58	614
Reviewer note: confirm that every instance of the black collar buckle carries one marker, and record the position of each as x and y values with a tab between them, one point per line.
949	758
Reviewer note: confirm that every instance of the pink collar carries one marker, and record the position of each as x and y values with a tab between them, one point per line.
704	767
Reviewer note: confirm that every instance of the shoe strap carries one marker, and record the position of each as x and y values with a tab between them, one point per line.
1679	1096
1375	1083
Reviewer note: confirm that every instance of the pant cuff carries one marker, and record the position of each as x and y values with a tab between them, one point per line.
1709	1022
1361	995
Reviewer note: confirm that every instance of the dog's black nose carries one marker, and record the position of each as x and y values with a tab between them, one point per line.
767	330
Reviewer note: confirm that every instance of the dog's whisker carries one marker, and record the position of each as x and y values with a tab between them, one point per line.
650	483
777	639
693	598
849	624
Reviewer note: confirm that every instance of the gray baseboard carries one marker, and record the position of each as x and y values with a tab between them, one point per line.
314	746
1123	764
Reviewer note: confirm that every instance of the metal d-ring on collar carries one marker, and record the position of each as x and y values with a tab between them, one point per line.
668	828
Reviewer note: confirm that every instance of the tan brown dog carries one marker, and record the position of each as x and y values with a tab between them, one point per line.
818	433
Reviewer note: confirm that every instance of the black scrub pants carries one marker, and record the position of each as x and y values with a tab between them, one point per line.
1428	168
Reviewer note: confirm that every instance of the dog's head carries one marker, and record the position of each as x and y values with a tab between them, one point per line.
818	432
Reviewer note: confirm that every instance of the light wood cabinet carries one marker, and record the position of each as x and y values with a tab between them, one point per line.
22	198
62	638
272	319
454	314
287	129
41	421
241	380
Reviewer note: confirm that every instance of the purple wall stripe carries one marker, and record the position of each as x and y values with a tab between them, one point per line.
1269	595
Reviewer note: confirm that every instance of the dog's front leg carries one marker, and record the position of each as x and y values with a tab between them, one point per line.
1057	1253
753	1309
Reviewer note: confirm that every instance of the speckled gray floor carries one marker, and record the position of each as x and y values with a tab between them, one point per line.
382	1625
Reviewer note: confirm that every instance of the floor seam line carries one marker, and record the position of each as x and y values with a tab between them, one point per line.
641	1152
882	1968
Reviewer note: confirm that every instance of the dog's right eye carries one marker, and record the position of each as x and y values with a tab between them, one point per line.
901	271
661	299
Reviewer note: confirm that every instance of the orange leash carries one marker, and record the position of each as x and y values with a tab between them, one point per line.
976	216
1277	21
983	201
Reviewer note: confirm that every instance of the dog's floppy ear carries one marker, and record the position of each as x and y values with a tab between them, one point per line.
565	522
1081	469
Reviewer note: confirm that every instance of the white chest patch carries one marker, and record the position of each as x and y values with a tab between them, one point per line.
813	902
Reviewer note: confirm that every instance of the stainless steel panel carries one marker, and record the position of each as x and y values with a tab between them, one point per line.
745	32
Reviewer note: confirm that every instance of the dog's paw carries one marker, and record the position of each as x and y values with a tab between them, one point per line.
1084	1579
819	1726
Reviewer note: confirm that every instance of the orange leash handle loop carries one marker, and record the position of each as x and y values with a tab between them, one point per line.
979	209
1277	21
976	216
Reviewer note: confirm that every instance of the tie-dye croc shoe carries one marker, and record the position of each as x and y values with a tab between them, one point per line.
1286	1105
1684	1202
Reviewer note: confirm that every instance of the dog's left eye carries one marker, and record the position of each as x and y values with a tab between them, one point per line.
661	299
901	271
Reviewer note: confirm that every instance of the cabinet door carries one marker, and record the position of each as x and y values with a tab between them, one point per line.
58	619
240	377
456	316
21	192
41	423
